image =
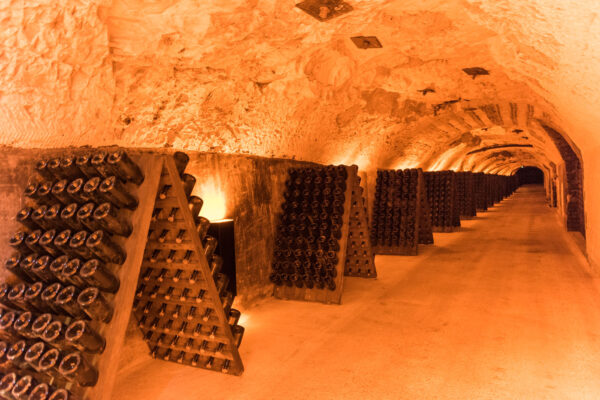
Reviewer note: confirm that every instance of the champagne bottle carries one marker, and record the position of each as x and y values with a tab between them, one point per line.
95	305
24	218
68	216
37	216
41	391
114	191
83	162
83	337
23	387
47	243
33	241
22	325
12	265
104	248
70	273
41	268
95	273
43	194
17	242
59	191
125	168
49	296
181	161
77	369
33	298
78	245
34	353
41	167
67	301
99	162
107	217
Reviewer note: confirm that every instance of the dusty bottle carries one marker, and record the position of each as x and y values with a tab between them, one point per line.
12	265
40	392
17	242
47	243
16	296
54	334
83	162
31	192
78	245
70	274
59	191
91	190
6	323
104	248
85	216
7	383
75	190
37	216
114	191
83	337
24	218
125	168
195	204
67	301
107	217
52	218
16	354
33	241
33	297
49	296
95	273
41	269
68	216
189	181
99	161
40	324
53	167
202	225
210	245
61	242
49	361
69	169
181	161
41	167
43	195
34	353
95	305
22	325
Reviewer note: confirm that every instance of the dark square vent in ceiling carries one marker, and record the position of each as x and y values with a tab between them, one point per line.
366	42
324	10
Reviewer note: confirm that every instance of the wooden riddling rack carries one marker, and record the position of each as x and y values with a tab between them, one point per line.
442	197
53	174
481	191
312	235
182	302
397	212
466	196
360	260
425	227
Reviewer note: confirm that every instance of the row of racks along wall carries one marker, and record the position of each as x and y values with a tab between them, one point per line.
410	204
75	268
322	235
183	303
75	265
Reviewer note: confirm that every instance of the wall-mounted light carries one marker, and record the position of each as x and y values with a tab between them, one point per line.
214	207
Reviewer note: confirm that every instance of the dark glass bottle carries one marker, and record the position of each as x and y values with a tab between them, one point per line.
104	248
54	334
33	241
24	218
69	169
53	166
189	181
125	168
202	225
107	217
114	191
34	353
181	161
210	245
16	354
67	301
33	297
31	192
99	162
85	216
61	242
12	265
59	191
47	243
195	203
52	218
83	337
41	269
70	273
43	195
78	245
68	216
83	162
17	242
91	190
16	296
95	273
41	391
41	167
75	190
49	362
37	216
49	296
40	324
95	305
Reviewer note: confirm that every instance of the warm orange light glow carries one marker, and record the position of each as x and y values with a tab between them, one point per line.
406	164
210	190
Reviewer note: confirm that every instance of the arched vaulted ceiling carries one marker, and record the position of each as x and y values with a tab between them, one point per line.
264	77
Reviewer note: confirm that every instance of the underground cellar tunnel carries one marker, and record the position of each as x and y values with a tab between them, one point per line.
316	199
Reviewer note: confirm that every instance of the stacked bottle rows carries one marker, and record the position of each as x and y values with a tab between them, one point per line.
172	303
481	190
395	208
310	228
465	190
359	256
441	196
425	227
66	260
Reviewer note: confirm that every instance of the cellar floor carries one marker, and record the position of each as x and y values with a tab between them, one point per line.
503	309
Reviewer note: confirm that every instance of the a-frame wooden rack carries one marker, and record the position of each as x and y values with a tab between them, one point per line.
360	260
177	304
